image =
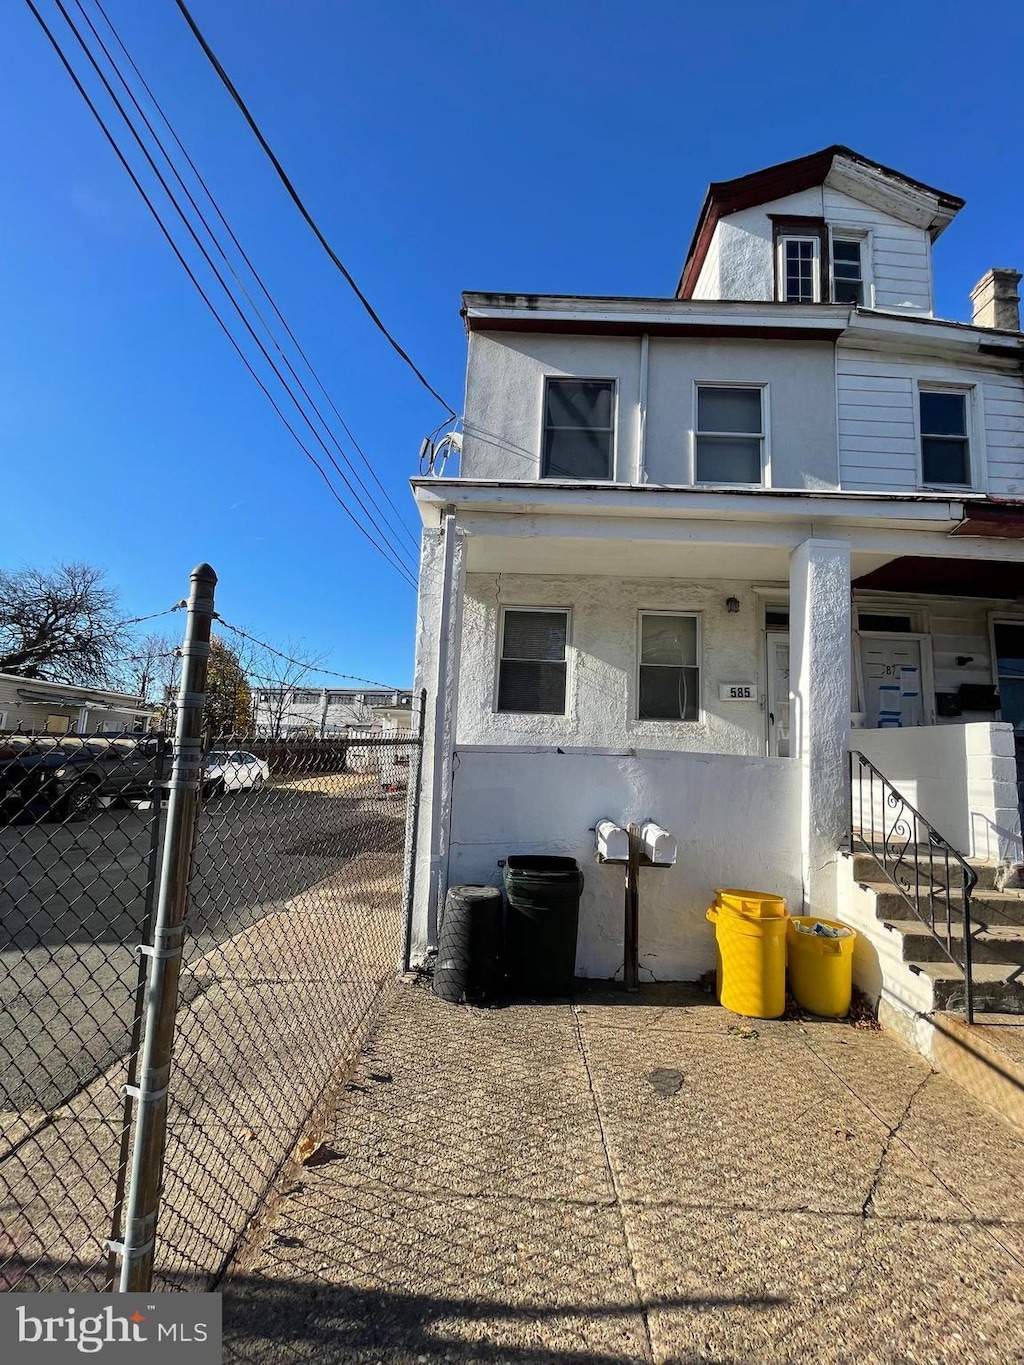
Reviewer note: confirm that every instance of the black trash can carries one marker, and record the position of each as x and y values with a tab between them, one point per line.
543	895
470	945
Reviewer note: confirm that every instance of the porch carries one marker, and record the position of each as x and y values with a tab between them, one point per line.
752	777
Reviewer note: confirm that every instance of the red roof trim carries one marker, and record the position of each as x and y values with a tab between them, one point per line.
775	182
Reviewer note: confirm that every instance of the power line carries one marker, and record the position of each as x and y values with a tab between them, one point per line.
391	552
398	565
296	199
238	246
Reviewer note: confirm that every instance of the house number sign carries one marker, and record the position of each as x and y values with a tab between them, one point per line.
737	692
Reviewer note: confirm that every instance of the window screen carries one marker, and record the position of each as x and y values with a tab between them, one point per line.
945	457
532	668
847	271
579	429
669	667
729	435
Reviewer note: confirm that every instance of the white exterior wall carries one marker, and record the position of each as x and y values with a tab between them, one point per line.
879	444
735	819
33	715
899	256
962	778
502	438
602	681
505	396
800	380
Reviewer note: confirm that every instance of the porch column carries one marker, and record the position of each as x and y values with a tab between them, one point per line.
438	643
820	691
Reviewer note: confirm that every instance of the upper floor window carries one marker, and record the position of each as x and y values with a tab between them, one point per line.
847	270
729	435
579	429
800	269
669	666
533	665
945	445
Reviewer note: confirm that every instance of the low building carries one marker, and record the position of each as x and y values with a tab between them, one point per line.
322	711
34	705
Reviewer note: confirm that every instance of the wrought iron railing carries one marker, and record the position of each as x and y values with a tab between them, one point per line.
934	879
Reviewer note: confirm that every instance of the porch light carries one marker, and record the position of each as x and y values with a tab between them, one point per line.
732	604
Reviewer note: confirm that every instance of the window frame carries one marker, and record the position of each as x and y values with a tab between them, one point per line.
816	265
506	607
613	381
972	426
637	719
766	465
839	232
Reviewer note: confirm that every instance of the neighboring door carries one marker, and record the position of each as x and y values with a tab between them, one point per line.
777	693
893	684
1009	642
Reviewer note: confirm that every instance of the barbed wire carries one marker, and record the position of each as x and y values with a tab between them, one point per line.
138	620
299	663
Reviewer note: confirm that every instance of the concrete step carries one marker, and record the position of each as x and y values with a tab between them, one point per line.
986	1059
998	986
930	868
988	908
999	943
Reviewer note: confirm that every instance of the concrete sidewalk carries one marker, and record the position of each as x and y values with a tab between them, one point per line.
641	1178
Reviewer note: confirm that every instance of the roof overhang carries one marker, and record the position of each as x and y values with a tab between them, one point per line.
603	316
839	167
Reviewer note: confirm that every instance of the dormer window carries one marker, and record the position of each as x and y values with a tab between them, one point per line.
800	269
800	248
847	270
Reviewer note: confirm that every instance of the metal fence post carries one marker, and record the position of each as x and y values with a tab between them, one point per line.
137	1249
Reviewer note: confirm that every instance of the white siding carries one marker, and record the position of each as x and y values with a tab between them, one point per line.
1004	434
709	281
900	255
876	401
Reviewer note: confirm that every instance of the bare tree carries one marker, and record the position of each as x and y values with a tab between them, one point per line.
153	668
61	624
275	679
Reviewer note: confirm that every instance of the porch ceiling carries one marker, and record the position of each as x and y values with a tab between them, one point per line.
946	577
618	558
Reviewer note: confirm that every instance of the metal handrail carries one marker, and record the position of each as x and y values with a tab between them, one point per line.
914	856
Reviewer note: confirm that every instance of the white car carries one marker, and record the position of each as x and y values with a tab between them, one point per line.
233	770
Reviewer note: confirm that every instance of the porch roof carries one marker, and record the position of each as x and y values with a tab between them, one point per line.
745	534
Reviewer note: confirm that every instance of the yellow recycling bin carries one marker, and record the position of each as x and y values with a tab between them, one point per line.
750	933
820	967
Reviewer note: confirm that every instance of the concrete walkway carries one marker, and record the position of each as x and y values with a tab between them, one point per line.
641	1179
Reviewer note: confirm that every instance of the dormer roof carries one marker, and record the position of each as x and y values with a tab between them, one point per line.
841	169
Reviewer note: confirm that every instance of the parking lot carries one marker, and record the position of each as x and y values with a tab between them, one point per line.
74	899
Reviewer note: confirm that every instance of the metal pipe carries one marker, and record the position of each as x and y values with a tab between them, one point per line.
631	928
411	833
165	952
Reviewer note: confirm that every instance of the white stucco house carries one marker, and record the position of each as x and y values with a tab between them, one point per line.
699	547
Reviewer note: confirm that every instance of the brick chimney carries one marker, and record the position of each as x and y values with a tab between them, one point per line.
996	301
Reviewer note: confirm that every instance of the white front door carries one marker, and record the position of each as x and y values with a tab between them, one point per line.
891	667
777	692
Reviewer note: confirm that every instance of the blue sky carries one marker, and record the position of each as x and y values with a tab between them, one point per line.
558	146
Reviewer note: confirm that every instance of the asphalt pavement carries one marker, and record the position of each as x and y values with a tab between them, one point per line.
74	898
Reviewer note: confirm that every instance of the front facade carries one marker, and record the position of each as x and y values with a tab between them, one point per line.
35	706
700	547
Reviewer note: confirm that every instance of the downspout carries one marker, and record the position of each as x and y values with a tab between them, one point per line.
640	472
444	725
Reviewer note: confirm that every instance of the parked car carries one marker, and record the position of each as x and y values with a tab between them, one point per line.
65	781
232	770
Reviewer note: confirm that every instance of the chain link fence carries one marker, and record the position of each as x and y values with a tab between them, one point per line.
293	869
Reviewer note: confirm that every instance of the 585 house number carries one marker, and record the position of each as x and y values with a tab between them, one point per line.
737	692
